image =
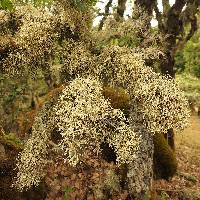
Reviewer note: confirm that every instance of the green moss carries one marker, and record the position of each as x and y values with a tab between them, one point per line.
10	140
119	98
112	181
165	163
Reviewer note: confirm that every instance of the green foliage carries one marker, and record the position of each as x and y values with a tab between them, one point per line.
6	5
16	95
188	59
84	4
9	5
180	62
126	41
68	190
192	55
10	140
190	85
164	196
38	3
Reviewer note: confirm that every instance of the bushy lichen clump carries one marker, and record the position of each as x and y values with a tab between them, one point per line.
85	119
40	34
156	101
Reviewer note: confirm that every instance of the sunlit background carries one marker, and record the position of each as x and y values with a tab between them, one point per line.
128	12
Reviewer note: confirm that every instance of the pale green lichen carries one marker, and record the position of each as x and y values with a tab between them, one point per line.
85	119
157	103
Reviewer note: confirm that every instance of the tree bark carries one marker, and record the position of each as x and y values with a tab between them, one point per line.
173	27
140	172
121	7
106	13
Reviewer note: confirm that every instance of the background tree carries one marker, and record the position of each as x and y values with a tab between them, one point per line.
172	23
121	7
105	14
191	55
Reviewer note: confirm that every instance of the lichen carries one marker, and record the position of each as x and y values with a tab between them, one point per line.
85	119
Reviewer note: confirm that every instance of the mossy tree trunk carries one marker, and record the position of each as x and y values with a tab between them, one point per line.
140	172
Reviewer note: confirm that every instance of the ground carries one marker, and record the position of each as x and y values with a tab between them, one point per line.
185	185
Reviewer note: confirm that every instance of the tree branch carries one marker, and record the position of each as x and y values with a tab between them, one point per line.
178	6
159	17
106	13
120	9
166	7
147	6
188	16
194	26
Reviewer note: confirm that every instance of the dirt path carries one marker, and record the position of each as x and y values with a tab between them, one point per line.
186	184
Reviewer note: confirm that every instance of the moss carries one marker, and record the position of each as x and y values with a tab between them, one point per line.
119	98
112	181
165	163
11	141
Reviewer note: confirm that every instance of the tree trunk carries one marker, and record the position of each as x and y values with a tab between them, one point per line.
173	27
146	5
140	172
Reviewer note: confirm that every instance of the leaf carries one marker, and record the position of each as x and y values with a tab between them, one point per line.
19	89
6	5
69	189
66	198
